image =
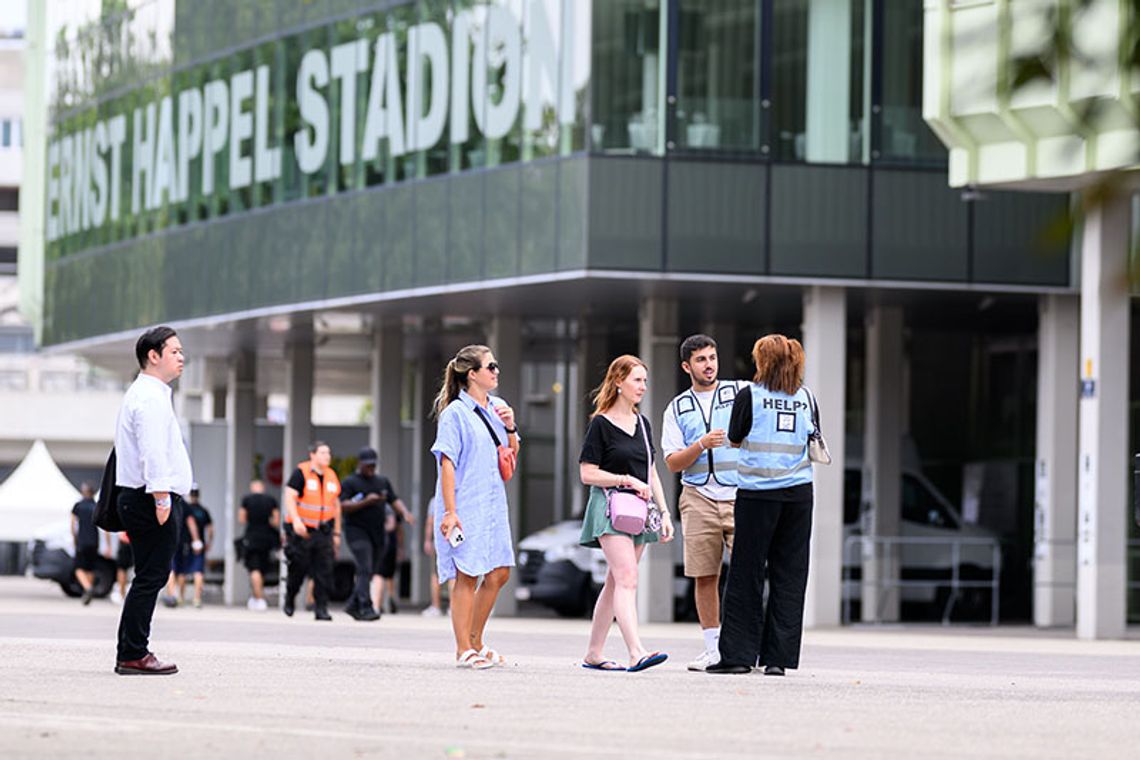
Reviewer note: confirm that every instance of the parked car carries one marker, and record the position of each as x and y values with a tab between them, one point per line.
53	558
557	572
927	515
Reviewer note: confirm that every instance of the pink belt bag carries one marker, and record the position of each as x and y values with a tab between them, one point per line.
627	511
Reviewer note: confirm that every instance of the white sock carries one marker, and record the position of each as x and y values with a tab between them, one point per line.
712	638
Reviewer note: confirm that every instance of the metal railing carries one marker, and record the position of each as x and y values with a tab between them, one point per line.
893	580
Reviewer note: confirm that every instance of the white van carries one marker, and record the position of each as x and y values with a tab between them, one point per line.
935	538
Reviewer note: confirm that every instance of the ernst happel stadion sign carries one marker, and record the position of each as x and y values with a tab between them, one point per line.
498	63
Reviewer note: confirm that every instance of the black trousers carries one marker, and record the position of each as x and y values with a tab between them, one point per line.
153	547
367	550
312	556
772	536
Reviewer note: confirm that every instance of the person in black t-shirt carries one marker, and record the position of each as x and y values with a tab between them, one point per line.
366	499
86	537
261	516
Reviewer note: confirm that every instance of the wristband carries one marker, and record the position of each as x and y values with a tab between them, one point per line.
511	431
701	443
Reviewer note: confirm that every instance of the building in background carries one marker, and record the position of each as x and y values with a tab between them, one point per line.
330	199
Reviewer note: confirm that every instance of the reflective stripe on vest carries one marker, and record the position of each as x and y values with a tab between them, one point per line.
318	501
774	454
716	464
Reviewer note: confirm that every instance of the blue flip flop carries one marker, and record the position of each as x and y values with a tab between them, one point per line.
648	661
606	665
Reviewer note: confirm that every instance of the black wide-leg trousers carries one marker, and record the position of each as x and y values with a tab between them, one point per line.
772	537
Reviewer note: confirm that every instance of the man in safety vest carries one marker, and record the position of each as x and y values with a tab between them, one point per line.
312	527
694	443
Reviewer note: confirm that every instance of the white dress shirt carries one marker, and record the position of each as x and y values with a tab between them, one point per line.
149	449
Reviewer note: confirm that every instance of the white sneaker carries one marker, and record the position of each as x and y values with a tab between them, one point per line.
262	605
432	611
252	604
704	659
116	595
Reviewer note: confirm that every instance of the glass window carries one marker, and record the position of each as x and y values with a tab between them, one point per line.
628	71
903	136
717	75
818	75
5	133
920	506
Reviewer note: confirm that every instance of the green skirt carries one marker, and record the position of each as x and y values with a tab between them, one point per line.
596	523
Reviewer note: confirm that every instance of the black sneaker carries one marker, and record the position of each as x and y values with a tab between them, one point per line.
88	595
368	614
322	615
287	608
773	670
728	668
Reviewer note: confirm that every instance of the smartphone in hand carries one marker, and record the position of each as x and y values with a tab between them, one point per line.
455	537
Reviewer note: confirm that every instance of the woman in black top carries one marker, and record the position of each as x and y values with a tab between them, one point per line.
617	453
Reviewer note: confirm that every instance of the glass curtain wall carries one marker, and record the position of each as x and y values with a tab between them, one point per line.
397	92
903	136
819	70
628	69
718	75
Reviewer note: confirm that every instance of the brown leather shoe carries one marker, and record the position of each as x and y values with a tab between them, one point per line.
145	666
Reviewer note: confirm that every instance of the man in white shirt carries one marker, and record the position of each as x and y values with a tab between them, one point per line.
694	443
153	469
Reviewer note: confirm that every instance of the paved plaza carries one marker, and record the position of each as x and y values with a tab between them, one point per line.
262	685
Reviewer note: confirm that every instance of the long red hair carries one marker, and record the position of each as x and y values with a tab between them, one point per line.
779	363
606	394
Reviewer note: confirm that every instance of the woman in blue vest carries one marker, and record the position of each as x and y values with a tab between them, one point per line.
770	425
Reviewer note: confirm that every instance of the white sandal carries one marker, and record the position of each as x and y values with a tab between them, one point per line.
473	660
493	657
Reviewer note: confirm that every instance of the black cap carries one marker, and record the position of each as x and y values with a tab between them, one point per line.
367	455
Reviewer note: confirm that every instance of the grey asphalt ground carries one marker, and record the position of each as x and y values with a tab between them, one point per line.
261	685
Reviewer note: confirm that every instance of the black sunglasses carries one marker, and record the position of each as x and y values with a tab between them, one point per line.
493	366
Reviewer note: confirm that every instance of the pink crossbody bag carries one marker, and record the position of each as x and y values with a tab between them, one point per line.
628	511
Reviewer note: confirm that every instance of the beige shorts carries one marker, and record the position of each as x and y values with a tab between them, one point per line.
707	527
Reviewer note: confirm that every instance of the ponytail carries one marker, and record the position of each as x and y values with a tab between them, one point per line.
455	375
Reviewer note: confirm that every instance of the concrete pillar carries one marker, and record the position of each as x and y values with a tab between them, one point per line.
505	340
825	373
386	391
1055	472
828	136
299	382
590	363
241	406
882	498
423	465
1103	454
657	347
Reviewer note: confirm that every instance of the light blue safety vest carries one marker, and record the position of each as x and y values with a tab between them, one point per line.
774	454
718	464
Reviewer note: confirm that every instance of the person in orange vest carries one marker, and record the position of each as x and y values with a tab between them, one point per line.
312	528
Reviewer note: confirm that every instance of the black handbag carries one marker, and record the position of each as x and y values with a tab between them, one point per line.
106	506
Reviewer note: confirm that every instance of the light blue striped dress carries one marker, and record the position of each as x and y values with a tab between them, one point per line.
480	495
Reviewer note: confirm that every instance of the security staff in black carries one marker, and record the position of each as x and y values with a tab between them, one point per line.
365	495
312	528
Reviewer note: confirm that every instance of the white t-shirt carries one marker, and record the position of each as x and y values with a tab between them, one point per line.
672	441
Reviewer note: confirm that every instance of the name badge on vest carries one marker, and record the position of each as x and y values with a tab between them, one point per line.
785	422
685	404
726	395
313	485
330	487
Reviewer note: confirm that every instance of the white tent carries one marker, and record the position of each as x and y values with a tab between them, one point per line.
34	496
